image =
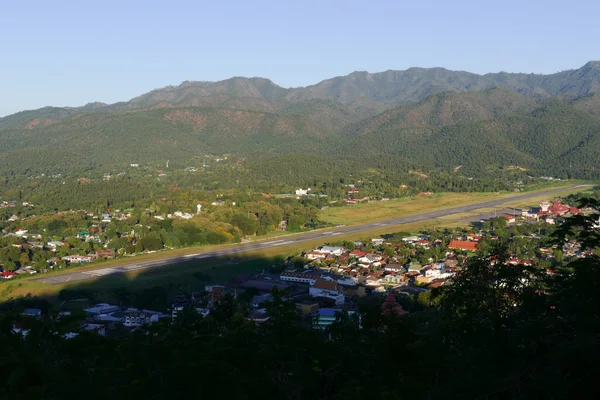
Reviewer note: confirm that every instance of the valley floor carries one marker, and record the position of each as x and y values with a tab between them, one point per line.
178	267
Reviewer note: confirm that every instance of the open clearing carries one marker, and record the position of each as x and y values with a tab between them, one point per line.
381	210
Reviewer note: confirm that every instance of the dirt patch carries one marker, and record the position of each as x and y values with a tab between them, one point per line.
194	118
419	174
39	122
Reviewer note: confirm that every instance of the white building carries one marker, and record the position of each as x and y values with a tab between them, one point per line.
135	318
302	192
101	308
289	276
432	273
77	259
335	250
347	281
53	244
180	214
411	239
331	290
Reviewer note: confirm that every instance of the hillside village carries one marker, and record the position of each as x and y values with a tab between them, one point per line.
400	268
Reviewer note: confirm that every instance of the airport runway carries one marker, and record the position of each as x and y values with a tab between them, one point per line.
329	234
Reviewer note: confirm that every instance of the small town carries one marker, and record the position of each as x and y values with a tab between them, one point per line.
398	270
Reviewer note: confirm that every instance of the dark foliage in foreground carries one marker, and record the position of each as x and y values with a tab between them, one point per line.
498	332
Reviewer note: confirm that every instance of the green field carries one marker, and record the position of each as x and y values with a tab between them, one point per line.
383	210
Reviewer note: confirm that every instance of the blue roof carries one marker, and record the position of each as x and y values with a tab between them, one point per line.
327	312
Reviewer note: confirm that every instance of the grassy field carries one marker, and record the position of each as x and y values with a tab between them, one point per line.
382	210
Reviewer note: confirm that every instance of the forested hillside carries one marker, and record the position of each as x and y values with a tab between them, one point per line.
349	124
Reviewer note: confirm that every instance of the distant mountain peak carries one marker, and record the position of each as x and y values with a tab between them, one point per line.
592	65
369	91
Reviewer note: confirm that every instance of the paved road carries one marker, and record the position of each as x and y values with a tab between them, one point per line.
245	247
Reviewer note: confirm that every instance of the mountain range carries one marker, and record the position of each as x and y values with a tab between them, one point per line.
425	117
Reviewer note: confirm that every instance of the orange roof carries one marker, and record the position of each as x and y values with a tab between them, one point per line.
463	245
326	285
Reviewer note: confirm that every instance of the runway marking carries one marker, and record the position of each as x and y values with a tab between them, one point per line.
102	272
68	279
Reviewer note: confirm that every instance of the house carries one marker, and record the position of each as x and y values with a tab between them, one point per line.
397	268
346	281
53	244
7	274
557	209
101	308
302	192
105	253
180	214
290	276
369	259
510	218
436	283
325	317
78	259
395	279
411	239
432	272
335	250
423	243
135	318
331	290
463	245
32	312
357	253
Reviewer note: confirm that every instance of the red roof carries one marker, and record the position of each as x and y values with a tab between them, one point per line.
7	274
463	245
358	253
390	305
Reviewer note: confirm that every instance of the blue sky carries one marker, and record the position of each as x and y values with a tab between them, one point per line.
69	53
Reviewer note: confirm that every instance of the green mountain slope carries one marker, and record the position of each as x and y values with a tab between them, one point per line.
555	138
358	90
345	123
